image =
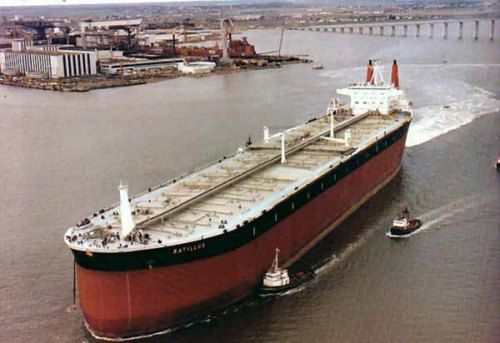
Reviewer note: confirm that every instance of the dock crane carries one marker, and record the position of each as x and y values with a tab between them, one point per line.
39	26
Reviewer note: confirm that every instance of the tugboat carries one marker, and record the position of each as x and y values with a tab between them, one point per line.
404	225
277	279
317	66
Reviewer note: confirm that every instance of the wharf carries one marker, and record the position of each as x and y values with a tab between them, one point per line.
101	81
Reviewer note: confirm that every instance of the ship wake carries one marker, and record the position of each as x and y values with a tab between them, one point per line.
443	101
458	103
443	216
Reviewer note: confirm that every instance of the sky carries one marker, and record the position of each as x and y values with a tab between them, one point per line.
69	2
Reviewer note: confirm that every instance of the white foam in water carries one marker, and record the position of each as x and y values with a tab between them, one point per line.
452	103
446	102
422	228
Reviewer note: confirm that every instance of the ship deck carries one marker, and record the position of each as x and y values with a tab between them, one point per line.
221	196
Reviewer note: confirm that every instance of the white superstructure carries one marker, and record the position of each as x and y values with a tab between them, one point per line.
375	95
276	276
402	223
366	97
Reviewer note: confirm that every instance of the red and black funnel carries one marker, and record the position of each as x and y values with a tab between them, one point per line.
369	72
395	75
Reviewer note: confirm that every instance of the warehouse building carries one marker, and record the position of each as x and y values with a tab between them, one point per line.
129	65
49	47
48	61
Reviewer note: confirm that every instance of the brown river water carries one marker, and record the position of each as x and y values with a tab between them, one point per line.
62	156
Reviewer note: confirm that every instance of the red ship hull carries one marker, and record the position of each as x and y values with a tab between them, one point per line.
128	303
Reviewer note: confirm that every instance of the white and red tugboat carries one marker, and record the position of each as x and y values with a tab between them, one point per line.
404	225
277	279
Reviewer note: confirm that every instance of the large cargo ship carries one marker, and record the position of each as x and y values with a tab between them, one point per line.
203	241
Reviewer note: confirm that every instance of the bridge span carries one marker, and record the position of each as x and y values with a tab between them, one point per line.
391	28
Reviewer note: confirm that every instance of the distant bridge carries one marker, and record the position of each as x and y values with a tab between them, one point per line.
368	28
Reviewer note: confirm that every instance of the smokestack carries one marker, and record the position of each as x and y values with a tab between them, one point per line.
395	75
225	59
369	72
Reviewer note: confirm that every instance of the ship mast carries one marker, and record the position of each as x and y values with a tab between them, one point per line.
125	213
376	74
275	262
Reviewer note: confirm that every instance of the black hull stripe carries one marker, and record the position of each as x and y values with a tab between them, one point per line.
249	231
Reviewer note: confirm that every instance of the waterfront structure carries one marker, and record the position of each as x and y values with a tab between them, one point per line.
52	61
93	32
196	67
48	47
21	44
128	65
204	240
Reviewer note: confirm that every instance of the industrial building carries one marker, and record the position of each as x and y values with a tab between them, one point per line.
49	63
47	60
117	33
131	65
21	44
48	47
196	68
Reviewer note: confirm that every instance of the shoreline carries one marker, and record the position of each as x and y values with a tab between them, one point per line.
101	81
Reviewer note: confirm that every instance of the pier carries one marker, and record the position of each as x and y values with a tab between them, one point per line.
403	28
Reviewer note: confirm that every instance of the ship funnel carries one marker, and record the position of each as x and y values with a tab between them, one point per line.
369	72
395	75
125	212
